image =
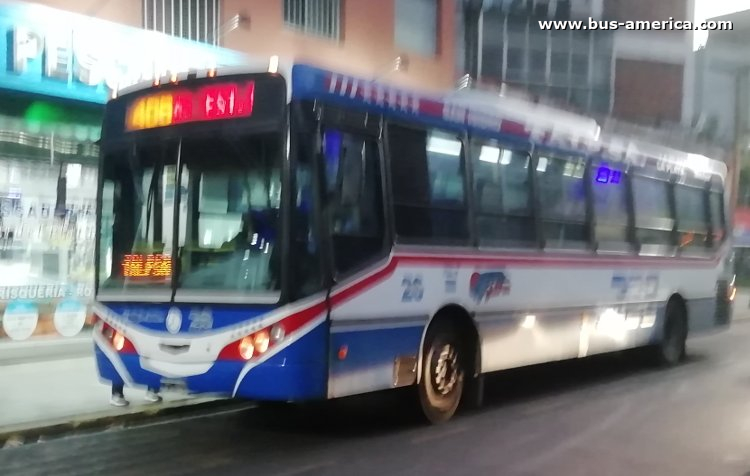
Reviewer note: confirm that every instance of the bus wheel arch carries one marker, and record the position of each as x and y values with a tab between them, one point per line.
449	351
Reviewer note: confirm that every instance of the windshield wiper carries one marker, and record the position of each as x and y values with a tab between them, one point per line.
151	196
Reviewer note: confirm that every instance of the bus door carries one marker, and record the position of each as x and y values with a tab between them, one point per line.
343	232
354	220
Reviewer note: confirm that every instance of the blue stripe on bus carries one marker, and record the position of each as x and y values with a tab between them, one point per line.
296	374
373	347
106	368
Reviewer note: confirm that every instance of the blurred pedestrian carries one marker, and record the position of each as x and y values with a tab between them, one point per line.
118	396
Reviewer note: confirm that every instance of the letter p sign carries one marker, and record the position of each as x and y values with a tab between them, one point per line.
27	46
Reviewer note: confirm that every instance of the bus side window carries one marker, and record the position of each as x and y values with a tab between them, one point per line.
355	198
427	174
611	211
562	200
502	195
692	216
653	216
716	204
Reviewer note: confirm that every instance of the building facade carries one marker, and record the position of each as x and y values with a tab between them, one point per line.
360	37
643	77
573	68
654	70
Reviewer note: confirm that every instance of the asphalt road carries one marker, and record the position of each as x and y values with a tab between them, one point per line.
613	415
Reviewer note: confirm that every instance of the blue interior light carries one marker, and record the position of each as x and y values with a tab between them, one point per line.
606	175
602	175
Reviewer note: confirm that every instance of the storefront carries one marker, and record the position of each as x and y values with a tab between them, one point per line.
60	70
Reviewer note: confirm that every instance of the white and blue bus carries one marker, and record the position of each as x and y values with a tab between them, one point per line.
304	235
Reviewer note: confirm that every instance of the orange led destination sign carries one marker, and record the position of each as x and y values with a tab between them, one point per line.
217	101
146	266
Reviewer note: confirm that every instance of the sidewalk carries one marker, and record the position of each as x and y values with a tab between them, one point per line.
56	396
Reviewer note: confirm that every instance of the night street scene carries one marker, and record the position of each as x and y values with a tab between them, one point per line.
375	237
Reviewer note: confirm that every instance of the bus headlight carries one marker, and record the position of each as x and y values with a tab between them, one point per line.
118	341
262	341
255	344
247	348
116	338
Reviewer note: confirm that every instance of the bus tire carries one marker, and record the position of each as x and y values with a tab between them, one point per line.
473	398
671	350
443	372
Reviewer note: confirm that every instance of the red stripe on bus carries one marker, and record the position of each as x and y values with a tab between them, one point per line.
301	318
565	261
338	297
367	282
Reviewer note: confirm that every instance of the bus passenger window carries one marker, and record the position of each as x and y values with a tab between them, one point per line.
716	202
562	200
427	171
692	218
355	199
610	206
502	195
653	216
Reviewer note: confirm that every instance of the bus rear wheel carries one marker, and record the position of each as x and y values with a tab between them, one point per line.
443	373
671	350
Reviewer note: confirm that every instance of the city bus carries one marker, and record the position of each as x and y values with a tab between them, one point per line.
296	234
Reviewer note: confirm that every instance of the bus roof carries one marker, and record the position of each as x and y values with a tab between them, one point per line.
507	118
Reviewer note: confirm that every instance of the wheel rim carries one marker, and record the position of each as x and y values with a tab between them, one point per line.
444	376
446	370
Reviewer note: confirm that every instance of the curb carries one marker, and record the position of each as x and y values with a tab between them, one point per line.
18	435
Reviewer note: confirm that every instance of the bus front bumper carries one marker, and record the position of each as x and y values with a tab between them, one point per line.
284	376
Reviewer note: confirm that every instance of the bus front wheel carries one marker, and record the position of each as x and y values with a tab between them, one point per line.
443	372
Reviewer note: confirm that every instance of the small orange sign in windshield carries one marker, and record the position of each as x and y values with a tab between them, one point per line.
146	266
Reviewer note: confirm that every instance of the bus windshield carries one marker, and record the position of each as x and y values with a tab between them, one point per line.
224	237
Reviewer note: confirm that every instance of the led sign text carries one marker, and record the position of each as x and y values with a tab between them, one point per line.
146	266
178	106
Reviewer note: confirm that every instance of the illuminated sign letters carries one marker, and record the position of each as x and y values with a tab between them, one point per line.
59	57
178	106
58	53
147	266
